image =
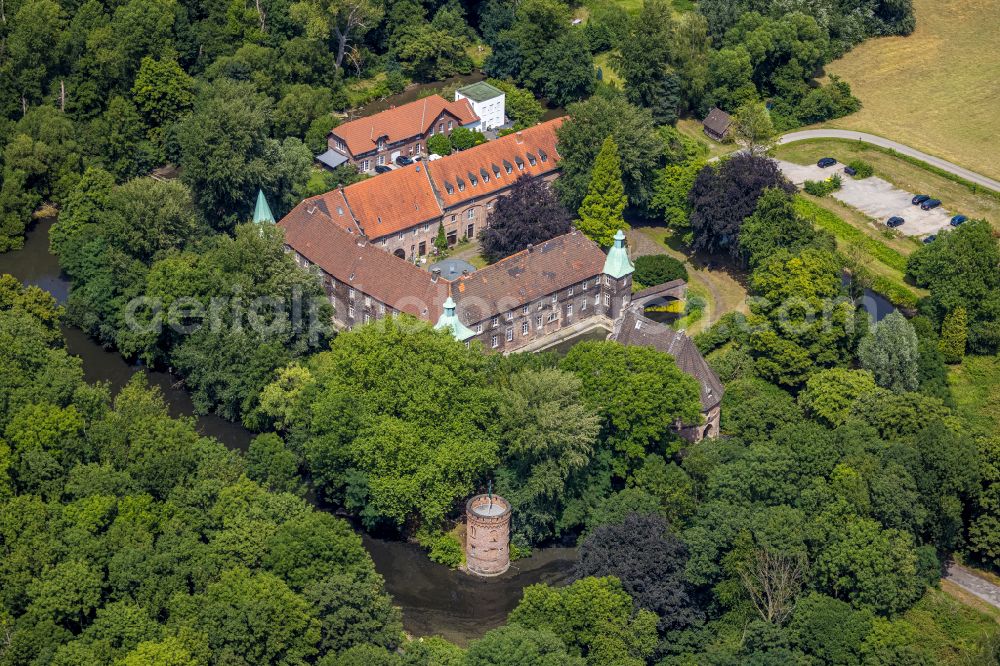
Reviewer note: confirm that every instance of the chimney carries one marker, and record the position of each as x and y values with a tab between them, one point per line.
530	247
519	137
465	271
435	274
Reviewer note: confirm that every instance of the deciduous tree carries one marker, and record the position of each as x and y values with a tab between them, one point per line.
530	215
890	352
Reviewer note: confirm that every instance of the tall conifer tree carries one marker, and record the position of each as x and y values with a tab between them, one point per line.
601	213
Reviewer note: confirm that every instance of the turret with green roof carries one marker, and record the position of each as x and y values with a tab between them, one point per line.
617	265
262	212
449	320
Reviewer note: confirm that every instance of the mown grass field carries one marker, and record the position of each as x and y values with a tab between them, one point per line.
899	172
937	90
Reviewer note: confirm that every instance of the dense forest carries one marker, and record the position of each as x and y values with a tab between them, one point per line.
813	532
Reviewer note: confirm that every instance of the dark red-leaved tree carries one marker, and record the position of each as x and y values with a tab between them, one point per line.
725	194
530	214
649	560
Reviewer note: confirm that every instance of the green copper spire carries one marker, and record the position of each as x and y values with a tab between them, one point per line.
262	212
617	264
449	320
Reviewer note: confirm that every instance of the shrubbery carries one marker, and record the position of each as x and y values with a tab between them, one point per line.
821	188
861	168
654	269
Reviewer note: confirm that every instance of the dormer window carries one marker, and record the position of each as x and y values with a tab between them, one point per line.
520	163
531	159
542	155
496	171
508	167
485	174
473	179
340	210
461	184
449	187
381	144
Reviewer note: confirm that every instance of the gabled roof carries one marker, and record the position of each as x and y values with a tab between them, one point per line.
401	122
636	330
535	144
527	276
369	269
718	121
393	201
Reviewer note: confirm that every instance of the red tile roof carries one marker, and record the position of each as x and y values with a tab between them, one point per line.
482	170
393	201
401	122
369	269
525	277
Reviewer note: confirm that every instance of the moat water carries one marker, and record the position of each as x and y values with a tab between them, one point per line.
435	600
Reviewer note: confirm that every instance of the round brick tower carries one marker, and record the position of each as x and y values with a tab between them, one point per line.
487	535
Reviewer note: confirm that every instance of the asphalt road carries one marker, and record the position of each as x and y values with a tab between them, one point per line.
971	176
973	584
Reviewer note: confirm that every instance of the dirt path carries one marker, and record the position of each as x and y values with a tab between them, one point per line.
726	294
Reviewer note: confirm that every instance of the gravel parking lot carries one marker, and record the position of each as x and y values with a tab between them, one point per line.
874	197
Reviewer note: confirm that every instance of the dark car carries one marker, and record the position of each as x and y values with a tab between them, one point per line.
930	203
894	221
381	168
850	171
826	162
957	220
930	239
403	160
919	199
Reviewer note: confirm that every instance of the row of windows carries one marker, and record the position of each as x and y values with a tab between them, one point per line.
485	174
382	160
451	124
541	320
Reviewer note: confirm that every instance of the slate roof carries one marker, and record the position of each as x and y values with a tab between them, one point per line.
482	170
369	269
718	121
525	277
401	122
638	331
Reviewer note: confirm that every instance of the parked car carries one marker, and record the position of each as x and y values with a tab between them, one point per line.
850	171
930	203
403	160
894	221
919	199
958	219
930	239
381	168
826	162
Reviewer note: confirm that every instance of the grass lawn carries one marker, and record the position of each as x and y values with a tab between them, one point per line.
691	127
603	60
902	174
974	385
936	90
722	292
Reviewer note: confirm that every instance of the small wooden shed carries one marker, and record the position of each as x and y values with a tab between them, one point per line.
717	124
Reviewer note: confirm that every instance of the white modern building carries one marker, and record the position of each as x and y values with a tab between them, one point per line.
487	102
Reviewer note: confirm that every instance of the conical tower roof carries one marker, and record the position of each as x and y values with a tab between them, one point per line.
449	320
617	264
262	212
